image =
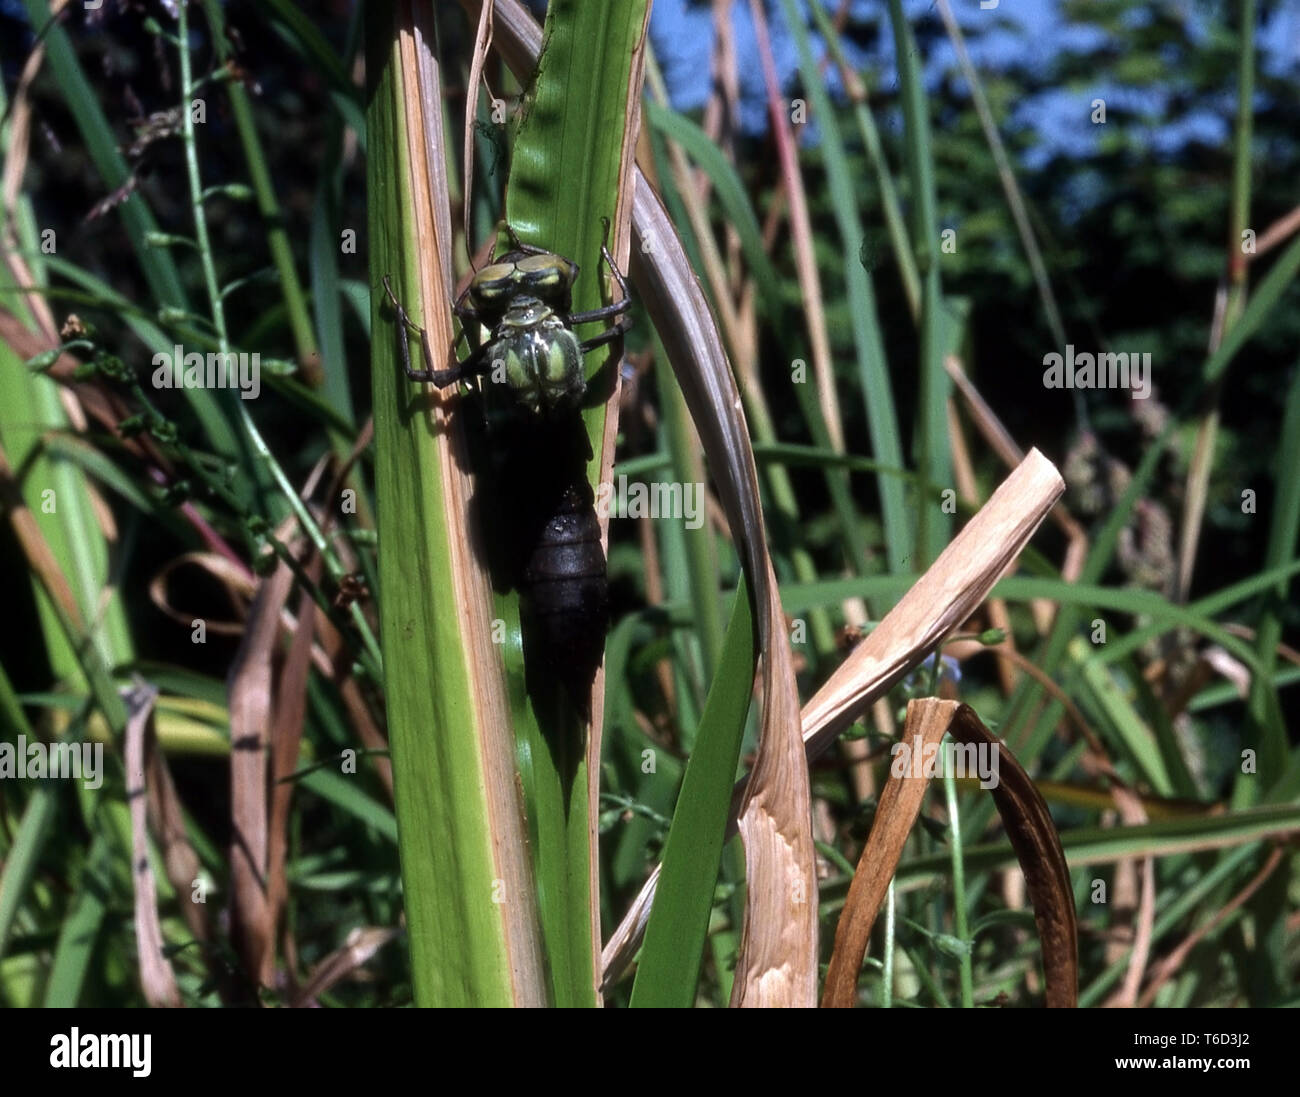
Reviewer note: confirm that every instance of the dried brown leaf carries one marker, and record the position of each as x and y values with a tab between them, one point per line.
900	803
362	943
251	694
1033	836
156	978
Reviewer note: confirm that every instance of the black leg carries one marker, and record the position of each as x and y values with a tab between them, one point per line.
608	312
518	245
440	377
531	249
472	365
404	322
614	331
600	385
618	307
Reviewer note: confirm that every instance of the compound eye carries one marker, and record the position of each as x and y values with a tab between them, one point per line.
547	276
493	285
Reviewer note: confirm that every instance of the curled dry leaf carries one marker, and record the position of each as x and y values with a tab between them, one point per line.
239	584
944	597
1027	822
1038	848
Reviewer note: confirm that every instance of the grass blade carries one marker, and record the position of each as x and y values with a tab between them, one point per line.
674	940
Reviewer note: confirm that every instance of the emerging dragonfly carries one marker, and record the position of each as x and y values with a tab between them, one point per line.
525	299
531	381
